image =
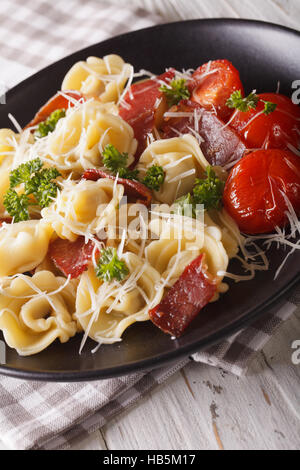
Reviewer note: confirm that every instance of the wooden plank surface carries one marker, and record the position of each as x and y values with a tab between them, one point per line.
205	408
202	407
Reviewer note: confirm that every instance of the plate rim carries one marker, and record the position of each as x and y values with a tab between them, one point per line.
183	351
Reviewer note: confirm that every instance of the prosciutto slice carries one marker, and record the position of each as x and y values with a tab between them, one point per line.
71	258
6	220
57	101
143	107
190	293
132	188
220	145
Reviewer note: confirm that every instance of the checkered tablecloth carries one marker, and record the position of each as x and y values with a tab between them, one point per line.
35	415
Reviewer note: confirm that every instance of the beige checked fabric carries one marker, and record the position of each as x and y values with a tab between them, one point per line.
38	415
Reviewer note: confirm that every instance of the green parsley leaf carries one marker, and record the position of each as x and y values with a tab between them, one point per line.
45	189
113	160
16	205
110	267
209	191
269	107
155	176
49	125
37	181
116	162
128	174
242	104
185	205
175	91
23	173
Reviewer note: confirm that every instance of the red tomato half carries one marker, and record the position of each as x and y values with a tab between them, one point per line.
277	129
213	83
57	101
253	192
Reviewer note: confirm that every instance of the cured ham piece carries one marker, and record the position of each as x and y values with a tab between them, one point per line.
220	145
57	101
190	293
71	258
6	220
143	107
132	188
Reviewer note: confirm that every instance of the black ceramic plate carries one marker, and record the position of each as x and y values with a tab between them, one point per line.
263	53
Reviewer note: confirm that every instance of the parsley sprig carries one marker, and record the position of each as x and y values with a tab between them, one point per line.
37	181
154	178
16	205
116	163
207	191
110	267
251	101
49	125
175	91
269	107
185	205
237	101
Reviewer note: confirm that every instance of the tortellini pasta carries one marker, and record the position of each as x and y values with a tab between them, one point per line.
84	205
105	310
35	311
178	246
23	246
231	236
79	139
104	78
182	161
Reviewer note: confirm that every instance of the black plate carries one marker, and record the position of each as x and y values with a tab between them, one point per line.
264	53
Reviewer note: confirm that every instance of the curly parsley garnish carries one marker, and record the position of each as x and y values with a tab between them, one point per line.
155	177
110	267
113	160
207	191
49	125
269	107
175	91
249	102
242	104
185	205
116	162
37	181
16	205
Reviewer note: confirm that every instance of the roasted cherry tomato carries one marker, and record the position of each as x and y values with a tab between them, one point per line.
57	101
213	83
253	192
275	130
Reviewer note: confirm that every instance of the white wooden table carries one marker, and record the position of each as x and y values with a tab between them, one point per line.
202	407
